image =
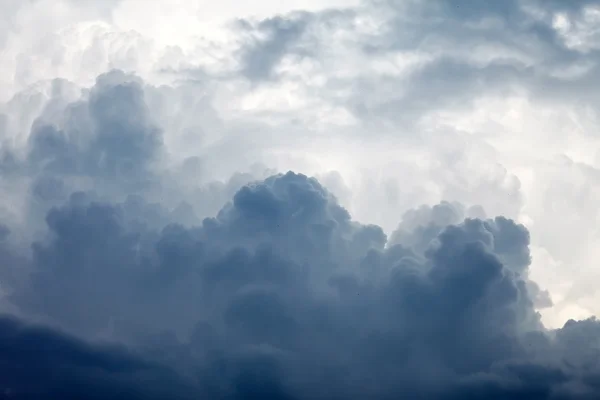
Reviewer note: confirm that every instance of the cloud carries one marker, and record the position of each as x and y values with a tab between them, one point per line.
121	141
38	362
278	36
141	153
283	295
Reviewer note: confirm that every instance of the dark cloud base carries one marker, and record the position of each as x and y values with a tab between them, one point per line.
41	363
281	295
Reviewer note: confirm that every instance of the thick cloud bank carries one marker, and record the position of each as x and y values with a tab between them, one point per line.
153	246
282	295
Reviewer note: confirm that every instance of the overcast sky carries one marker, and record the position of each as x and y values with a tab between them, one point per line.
444	199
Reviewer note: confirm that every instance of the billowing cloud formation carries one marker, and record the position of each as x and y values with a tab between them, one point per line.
150	246
283	296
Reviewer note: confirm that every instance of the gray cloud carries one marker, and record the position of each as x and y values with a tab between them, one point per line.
276	38
282	295
37	362
153	216
468	49
110	136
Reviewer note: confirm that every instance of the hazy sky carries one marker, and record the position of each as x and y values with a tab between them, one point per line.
444	199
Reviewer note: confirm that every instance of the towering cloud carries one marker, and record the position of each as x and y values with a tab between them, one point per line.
334	203
282	295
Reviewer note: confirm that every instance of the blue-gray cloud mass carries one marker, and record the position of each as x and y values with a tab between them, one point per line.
283	296
121	280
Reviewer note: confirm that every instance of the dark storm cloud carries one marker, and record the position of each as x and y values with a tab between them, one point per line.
40	363
280	295
283	296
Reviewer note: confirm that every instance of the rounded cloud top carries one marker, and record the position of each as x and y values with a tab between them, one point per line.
283	295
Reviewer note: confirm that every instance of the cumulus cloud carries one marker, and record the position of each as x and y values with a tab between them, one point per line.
283	295
153	245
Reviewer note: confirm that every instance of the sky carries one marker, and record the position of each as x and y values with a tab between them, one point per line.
331	199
